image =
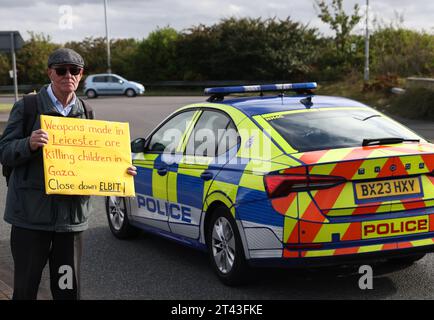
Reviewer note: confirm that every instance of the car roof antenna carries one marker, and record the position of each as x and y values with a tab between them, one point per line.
307	102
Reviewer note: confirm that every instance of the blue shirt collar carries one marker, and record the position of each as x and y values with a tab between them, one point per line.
59	107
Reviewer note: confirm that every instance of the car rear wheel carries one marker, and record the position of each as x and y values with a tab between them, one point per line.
130	93
407	259
225	248
117	215
91	94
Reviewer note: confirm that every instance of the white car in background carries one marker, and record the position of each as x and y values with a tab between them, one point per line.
111	84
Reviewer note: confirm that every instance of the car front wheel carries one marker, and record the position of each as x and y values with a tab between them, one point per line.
130	93
225	248
117	215
91	94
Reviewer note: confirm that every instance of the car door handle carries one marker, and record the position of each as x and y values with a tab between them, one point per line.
206	175
162	171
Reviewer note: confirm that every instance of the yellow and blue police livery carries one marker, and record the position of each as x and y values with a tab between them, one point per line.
296	179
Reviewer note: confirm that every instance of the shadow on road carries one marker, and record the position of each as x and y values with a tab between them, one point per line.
150	267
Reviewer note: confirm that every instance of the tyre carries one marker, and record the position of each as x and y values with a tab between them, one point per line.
117	215
130	93
91	94
225	248
407	259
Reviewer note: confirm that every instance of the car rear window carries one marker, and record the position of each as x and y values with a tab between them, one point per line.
113	79
321	129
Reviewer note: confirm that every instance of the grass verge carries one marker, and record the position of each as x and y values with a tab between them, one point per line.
5	107
353	89
417	103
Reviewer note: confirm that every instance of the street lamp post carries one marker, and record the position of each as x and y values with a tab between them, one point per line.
14	66
109	69
366	77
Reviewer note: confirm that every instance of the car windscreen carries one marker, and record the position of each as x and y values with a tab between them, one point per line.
321	129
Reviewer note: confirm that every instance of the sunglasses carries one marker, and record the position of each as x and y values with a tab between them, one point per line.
61	71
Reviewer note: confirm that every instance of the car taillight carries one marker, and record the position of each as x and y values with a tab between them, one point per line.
280	185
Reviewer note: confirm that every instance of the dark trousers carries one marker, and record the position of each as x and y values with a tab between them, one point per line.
31	249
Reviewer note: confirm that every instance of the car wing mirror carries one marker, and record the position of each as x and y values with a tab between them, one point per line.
138	145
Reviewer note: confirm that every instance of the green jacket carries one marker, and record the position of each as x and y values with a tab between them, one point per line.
27	205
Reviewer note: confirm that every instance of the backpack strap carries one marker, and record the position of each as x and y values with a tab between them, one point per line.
30	113
90	114
29	119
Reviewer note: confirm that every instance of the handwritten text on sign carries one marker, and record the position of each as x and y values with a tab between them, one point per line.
87	157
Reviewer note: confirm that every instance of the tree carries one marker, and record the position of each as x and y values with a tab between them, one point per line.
155	58
5	66
123	52
32	59
248	49
340	22
291	49
94	53
402	52
196	48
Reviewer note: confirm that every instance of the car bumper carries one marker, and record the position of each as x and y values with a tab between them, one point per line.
365	258
336	240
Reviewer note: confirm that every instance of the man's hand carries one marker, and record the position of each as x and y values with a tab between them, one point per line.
132	171
38	139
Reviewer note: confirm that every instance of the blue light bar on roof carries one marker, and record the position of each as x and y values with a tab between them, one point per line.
261	88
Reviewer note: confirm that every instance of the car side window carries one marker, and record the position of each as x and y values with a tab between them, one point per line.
207	135
168	136
99	79
229	139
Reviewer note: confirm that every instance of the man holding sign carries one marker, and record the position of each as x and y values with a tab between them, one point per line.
47	218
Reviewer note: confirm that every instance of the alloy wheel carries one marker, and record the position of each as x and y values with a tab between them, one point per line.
116	212
223	245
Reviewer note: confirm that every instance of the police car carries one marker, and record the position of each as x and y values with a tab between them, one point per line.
290	179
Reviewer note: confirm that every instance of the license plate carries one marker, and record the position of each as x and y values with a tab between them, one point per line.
394	227
395	188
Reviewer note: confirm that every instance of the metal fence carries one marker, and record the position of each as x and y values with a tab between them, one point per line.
26	88
427	83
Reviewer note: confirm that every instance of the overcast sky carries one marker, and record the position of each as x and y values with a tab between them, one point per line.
66	20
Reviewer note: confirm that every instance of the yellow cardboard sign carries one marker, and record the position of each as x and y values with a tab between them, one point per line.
87	157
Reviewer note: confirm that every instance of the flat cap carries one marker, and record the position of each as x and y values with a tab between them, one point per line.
65	56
